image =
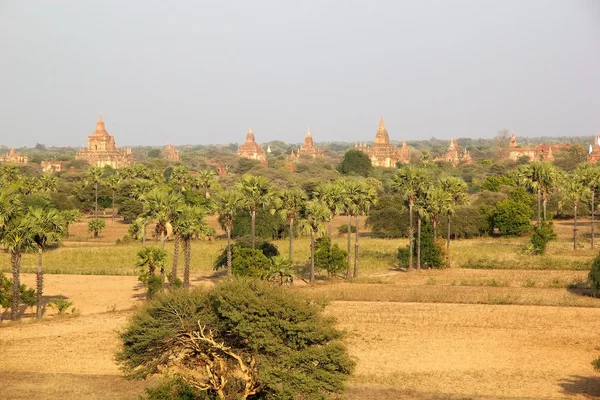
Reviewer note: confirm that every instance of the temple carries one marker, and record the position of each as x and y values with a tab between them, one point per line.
12	157
594	152
49	167
382	153
102	151
251	149
308	148
171	153
541	152
454	156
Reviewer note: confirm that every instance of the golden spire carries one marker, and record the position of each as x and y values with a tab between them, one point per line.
100	127
250	136
381	123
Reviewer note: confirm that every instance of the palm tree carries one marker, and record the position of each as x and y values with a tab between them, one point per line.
206	179
422	214
152	258
351	192
437	202
190	223
228	204
258	193
290	203
95	177
589	176
17	239
162	205
331	195
113	183
47	227
313	217
70	217
9	174
140	187
180	178
575	191
48	183
457	188
541	178
410	182
363	202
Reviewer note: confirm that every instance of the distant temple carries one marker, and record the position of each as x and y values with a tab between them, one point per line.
541	152
382	153
12	157
251	149
171	153
307	149
454	156
102	151
594	152
49	167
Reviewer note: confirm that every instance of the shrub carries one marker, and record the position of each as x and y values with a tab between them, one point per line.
355	163
268	226
267	248
432	251
130	209
175	389
541	236
61	305
343	229
403	256
594	276
249	262
330	258
96	226
512	217
27	295
252	336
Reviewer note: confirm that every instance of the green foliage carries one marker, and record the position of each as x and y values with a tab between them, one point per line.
27	295
330	258
541	236
296	351
403	256
268	225
594	275
432	252
495	183
61	305
249	262
267	248
96	226
512	217
355	163
466	222
175	389
130	209
343	229
149	259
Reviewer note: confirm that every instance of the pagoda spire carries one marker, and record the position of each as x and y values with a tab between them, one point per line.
381	123
250	136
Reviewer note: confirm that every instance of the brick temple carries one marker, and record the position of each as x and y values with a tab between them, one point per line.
382	153
102	151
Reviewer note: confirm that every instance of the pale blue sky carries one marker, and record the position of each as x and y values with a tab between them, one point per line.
201	72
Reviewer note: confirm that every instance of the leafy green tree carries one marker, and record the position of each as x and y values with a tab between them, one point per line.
205	180
94	178
314	216
438	202
249	262
228	204
594	276
356	163
512	216
329	258
431	253
457	189
290	203
542	235
70	217
331	195
96	225
280	271
239	340
47	228
541	178
189	223
363	200
161	206
26	295
149	259
575	191
589	176
113	183
268	249
258	193
48	183
180	178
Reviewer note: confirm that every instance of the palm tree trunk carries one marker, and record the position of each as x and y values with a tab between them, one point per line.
419	244
331	228
312	255
187	260
435	226
539	200
291	238
96	202
144	236
229	270
575	227
593	195
113	206
411	235
253	228
16	275
175	258
40	286
448	243
348	226
545	203
356	249
162	239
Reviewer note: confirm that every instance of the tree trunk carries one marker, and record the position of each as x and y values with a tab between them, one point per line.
96	233
448	243
419	244
175	258
356	249
312	256
96	202
575	227
291	238
144	236
593	195
331	228
187	249
229	268
435	226
411	236
162	238
348	226
253	228
545	203
40	286
539	210
16	275
113	206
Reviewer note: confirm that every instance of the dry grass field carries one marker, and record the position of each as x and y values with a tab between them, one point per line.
523	330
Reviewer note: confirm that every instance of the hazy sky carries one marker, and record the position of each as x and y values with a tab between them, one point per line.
201	72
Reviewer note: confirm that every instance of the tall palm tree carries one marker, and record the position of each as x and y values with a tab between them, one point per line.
410	182
366	198
228	204
314	216
190	223
17	239
258	194
575	191
152	258
422	214
206	180
437	202
70	217
48	183
589	176
290	203
457	188
180	178
9	174
47	228
140	187
540	178
94	178
161	205
351	190
331	195
114	182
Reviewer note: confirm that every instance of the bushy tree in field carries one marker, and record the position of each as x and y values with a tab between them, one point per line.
594	275
96	226
355	163
250	262
268	249
329	258
432	250
240	340
512	217
26	295
268	225
542	235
